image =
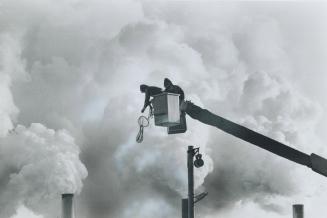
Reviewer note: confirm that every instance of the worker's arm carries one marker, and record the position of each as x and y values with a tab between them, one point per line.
146	100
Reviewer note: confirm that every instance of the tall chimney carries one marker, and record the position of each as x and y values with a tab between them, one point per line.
67	206
298	211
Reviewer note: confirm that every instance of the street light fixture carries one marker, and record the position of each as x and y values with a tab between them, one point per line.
191	153
198	161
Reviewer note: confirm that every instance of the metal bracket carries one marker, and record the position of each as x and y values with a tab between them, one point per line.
199	197
194	151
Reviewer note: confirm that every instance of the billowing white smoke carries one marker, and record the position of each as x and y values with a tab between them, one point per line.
85	62
8	109
37	164
11	66
43	164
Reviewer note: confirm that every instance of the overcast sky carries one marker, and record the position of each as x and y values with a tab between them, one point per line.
70	72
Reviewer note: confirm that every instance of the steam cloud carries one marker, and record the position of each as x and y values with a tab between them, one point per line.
39	164
77	65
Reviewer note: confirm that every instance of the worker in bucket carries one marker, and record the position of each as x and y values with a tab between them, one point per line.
171	88
149	91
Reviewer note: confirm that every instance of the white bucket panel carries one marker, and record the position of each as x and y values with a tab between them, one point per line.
166	109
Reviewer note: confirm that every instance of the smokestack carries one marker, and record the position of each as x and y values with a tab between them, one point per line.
67	206
298	211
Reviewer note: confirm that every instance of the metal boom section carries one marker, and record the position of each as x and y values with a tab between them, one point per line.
317	163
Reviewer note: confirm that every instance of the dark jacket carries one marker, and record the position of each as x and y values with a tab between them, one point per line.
150	92
171	88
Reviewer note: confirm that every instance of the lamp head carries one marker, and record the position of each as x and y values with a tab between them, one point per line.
198	161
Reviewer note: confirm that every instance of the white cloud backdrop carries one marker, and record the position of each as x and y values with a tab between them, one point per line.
77	65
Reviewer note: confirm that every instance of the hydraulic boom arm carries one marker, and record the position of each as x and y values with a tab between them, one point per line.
315	162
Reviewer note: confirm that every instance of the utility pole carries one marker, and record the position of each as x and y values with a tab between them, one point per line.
185	208
192	199
190	168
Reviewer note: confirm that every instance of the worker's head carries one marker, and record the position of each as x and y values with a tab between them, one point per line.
167	82
143	88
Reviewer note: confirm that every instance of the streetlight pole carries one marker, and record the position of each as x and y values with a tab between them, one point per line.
190	167
191	152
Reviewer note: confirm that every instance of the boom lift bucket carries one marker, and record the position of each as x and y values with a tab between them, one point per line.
166	111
